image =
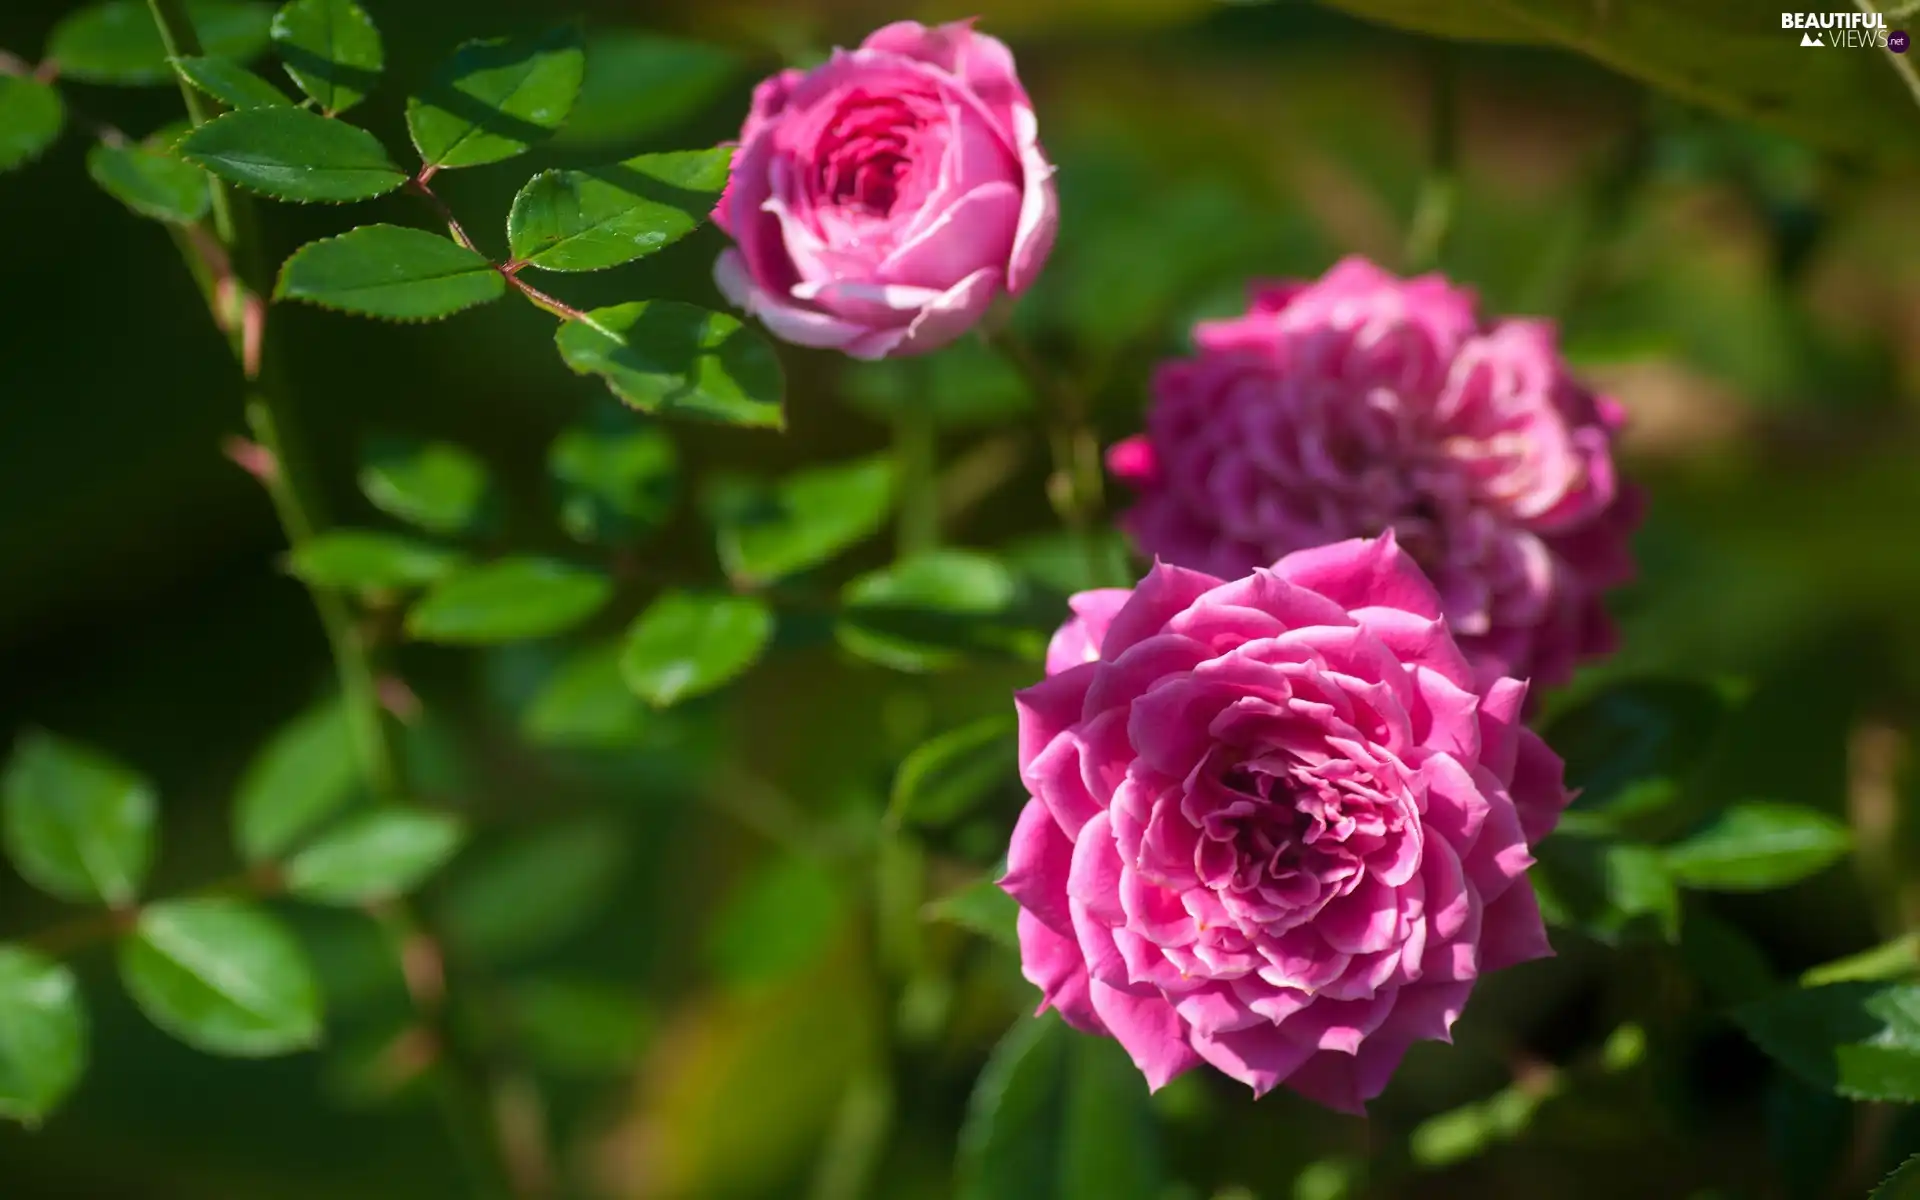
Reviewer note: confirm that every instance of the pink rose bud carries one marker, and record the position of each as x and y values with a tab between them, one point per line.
1277	824
879	203
1363	402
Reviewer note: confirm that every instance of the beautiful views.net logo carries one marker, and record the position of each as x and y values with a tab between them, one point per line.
1856	30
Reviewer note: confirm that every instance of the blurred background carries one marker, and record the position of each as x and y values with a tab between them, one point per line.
655	918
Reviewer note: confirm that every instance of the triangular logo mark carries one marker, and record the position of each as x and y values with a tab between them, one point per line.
1811	39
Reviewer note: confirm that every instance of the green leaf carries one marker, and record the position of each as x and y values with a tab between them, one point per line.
331	49
304	774
1640	885
513	599
495	99
769	532
30	118
78	825
955	594
778	921
1735	60
966	386
1861	1040
1055	1116
1472	1129
375	856
982	907
371	560
523	895
153	183
1641	730
390	271
437	486
43	1034
1903	1184
600	217
119	43
577	1027
662	356
615	484
947	777
229	82
292	154
1898	958
587	704
223	977
687	644
1067	562
639	84
1755	846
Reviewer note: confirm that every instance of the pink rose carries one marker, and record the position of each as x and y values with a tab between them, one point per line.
882	201
1277	825
1364	402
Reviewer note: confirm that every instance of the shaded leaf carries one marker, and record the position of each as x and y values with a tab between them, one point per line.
587	704
1861	1040
390	271
640	83
292	154
662	356
1640	730
43	1034
153	183
946	777
1735	60
767	532
614	483
599	217
331	49
229	82
960	589
965	386
375	856
495	99
1640	885
78	825
1066	562
687	644
437	486
118	42
777	921
31	115
982	907
223	977
512	599
522	895
1903	1184
371	560
578	1027
304	774
1757	845
1056	1116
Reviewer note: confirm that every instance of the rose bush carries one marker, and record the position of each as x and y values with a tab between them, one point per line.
880	202
1363	402
1277	824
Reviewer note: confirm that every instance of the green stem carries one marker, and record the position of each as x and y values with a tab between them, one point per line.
917	455
181	41
270	416
1439	193
1076	488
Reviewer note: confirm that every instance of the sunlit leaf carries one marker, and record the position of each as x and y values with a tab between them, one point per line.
512	599
390	271
30	118
331	49
153	183
662	356
437	486
369	559
78	825
598	217
303	775
374	856
223	977
1861	1040
1755	846
495	99
688	643
615	483
43	1034
768	532
118	42
229	82
292	154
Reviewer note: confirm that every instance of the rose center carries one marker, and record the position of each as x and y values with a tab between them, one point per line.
868	152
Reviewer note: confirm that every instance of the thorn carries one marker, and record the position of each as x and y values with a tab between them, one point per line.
253	458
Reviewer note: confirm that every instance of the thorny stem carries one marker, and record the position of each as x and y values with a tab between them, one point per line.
420	185
280	467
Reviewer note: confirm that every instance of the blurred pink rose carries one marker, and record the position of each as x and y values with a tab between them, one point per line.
1277	825
880	202
1364	402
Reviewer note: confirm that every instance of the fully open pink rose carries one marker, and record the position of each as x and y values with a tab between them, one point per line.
1277	825
1364	402
882	201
